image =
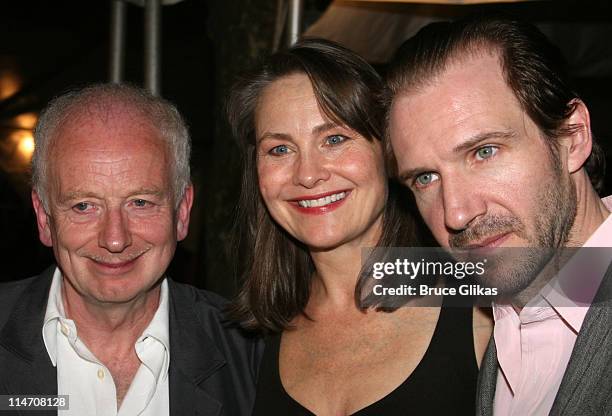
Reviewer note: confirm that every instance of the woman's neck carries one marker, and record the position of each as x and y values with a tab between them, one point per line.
337	271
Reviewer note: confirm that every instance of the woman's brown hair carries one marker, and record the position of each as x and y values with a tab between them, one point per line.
276	268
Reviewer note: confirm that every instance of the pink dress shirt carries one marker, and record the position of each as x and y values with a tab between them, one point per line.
534	346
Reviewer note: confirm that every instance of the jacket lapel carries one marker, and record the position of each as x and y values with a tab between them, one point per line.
193	354
193	358
586	382
26	358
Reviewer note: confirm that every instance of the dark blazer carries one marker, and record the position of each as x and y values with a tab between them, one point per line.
586	387
213	367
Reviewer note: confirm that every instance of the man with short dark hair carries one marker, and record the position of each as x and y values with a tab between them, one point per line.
498	151
112	196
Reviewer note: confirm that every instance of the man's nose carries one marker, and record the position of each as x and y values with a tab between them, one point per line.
463	202
115	234
310	168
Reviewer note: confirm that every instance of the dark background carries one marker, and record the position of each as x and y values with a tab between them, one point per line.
47	47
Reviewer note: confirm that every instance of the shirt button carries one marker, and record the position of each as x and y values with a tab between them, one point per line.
65	330
101	374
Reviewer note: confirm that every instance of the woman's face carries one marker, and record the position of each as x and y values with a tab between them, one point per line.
323	183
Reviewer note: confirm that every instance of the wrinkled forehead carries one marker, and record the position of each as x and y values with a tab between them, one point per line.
107	113
106	133
105	122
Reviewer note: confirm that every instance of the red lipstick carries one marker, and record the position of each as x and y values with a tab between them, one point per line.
320	210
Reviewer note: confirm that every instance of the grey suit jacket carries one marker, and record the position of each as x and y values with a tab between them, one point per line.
586	387
213	367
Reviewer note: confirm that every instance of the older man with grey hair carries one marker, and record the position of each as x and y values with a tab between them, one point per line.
112	196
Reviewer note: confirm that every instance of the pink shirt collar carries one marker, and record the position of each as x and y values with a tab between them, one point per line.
539	309
571	297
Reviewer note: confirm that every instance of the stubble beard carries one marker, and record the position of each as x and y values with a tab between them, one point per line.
516	272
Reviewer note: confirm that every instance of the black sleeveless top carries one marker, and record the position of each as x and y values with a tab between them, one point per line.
443	383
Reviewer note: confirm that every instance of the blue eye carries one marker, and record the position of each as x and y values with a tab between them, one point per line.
486	152
279	150
335	139
81	206
140	203
425	179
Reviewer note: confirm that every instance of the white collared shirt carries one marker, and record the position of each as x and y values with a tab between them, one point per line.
88	382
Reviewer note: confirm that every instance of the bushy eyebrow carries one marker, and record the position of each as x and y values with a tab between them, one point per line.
472	142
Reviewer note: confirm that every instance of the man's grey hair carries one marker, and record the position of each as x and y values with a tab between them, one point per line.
162	115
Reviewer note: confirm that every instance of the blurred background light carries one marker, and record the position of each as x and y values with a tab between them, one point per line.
25	147
17	143
26	120
10	83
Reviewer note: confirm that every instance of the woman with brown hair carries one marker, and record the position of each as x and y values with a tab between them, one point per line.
314	193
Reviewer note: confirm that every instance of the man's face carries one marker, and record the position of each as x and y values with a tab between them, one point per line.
481	172
112	220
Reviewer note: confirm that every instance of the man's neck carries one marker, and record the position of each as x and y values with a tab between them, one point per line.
98	322
550	270
590	214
